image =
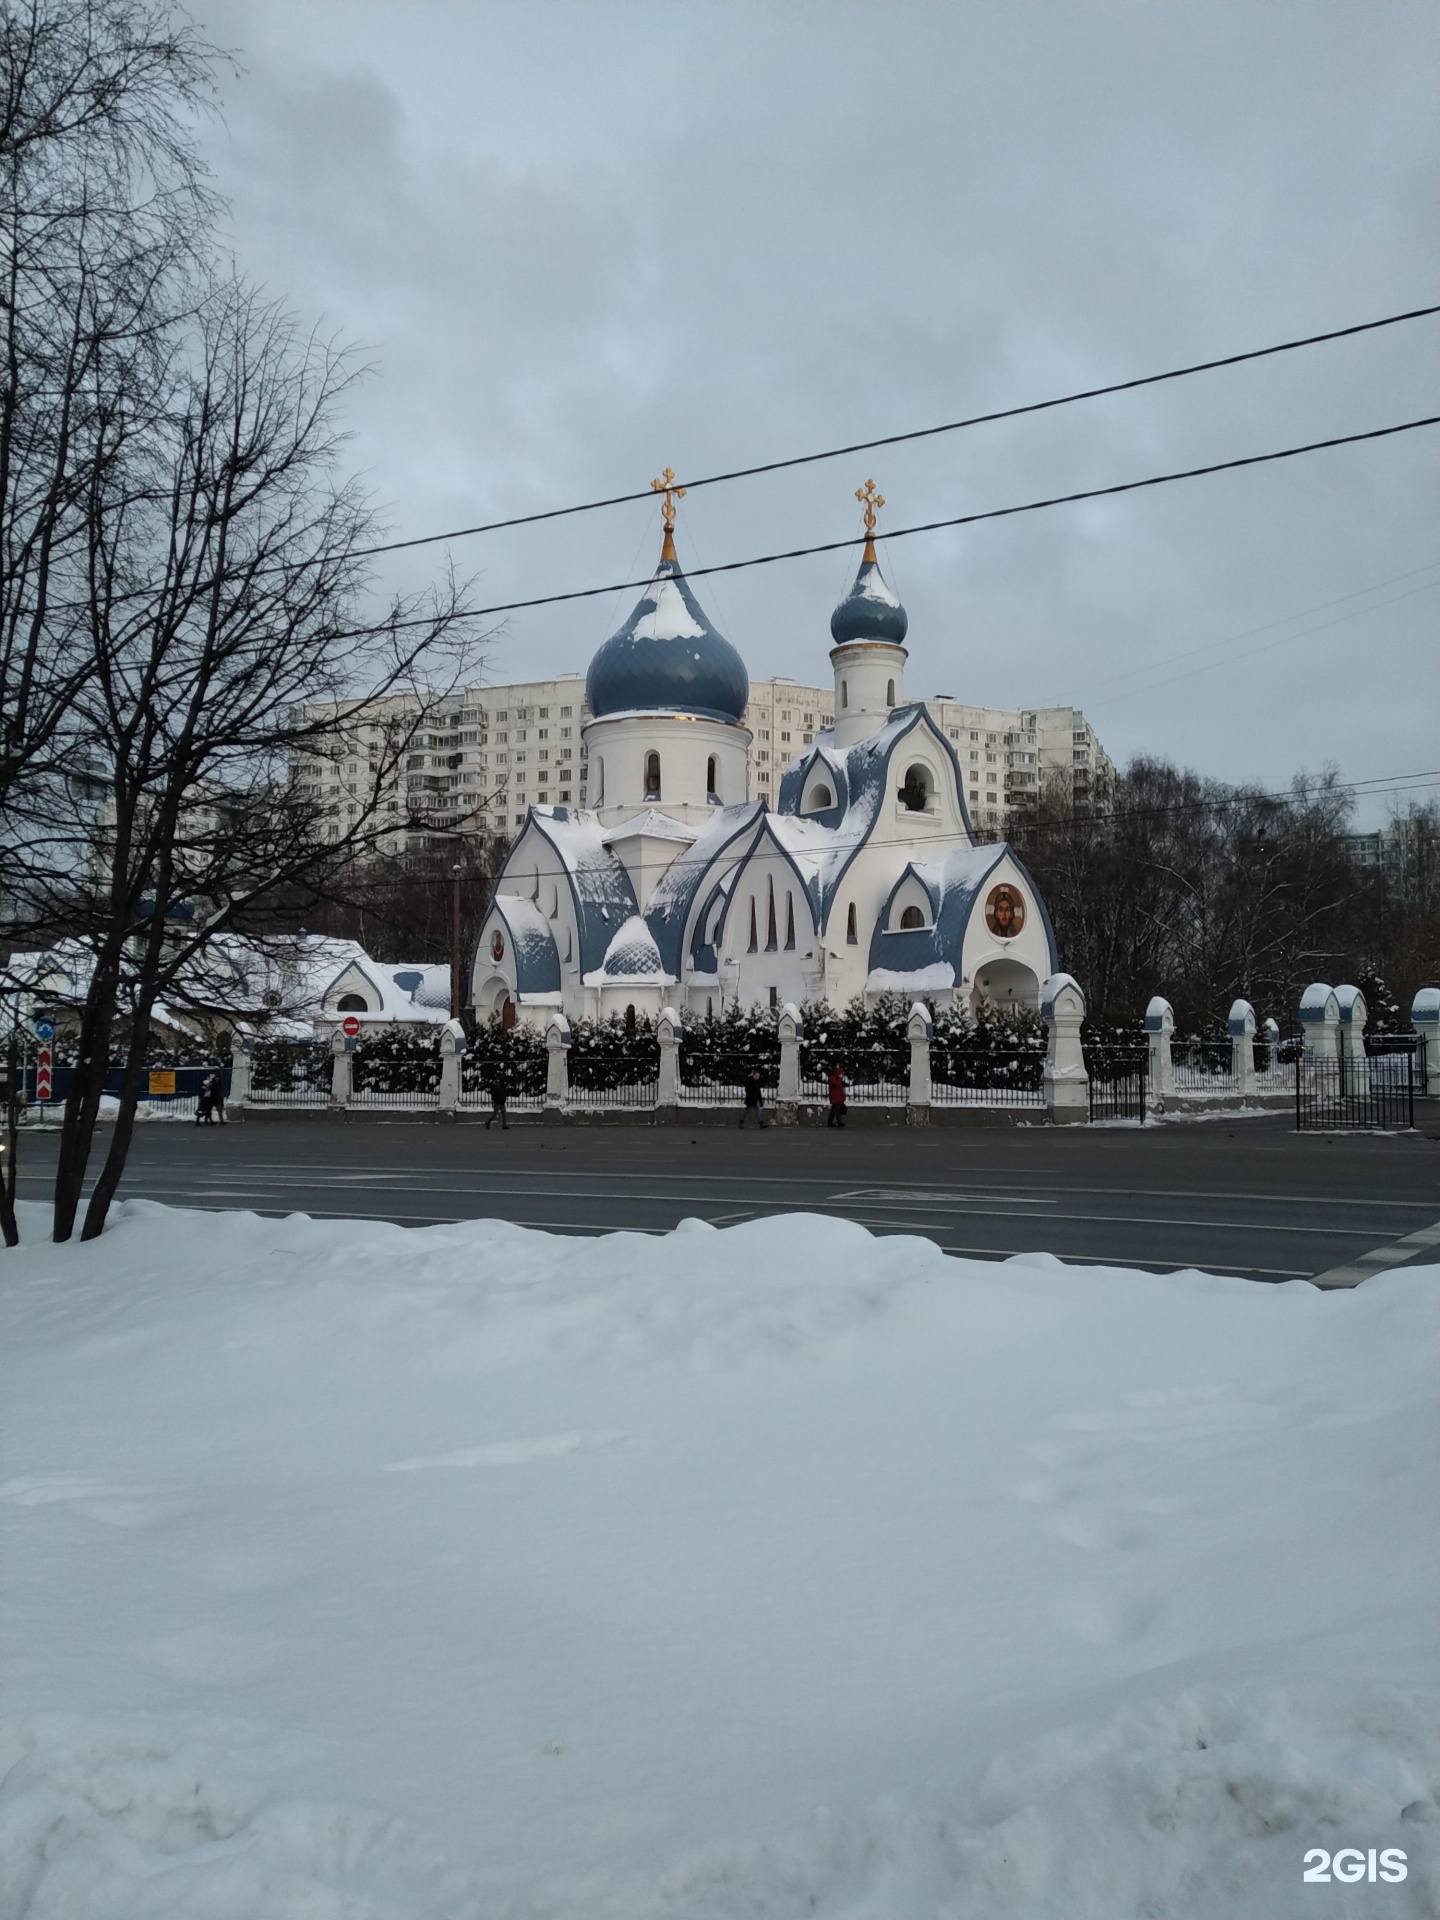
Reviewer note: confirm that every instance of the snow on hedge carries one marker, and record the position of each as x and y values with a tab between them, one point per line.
773	1571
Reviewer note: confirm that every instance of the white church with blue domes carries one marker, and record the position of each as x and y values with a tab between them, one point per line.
674	888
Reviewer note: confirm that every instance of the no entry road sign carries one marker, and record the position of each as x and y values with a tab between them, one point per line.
350	1026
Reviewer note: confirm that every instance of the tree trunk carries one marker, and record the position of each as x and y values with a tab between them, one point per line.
8	1223
114	1167
82	1107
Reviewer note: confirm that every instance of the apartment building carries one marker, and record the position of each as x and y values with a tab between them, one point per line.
473	764
1011	755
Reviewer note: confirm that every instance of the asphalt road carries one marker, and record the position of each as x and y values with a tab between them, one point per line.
1245	1197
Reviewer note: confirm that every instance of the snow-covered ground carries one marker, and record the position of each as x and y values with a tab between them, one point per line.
777	1571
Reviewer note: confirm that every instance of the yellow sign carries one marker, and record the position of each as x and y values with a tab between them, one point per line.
163	1082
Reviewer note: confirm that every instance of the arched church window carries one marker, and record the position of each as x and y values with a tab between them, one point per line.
910	919
844	693
352	1003
652	776
790	922
630	1021
915	794
770	940
889	693
852	932
754	935
820	797
597	781
712	778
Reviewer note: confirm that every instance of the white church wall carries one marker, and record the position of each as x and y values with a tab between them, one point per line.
619	746
1008	971
869	683
769	899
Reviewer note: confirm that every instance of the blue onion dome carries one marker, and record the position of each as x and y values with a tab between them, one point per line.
668	658
870	611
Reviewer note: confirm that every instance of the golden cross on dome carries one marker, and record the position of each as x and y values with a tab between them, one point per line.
871	501
666	485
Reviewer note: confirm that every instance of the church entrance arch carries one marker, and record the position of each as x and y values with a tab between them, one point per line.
1008	983
493	998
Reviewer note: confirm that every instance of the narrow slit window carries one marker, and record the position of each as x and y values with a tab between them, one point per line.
852	931
754	934
790	922
770	940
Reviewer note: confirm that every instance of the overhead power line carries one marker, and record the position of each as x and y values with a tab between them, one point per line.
915	433
934	526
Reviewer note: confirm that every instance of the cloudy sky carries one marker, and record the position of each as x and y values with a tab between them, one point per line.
583	241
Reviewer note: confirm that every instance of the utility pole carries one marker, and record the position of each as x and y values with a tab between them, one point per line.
455	988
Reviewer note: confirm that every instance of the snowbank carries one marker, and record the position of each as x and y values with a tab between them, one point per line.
353	1571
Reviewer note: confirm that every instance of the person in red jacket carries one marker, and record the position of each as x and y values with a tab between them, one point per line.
837	1098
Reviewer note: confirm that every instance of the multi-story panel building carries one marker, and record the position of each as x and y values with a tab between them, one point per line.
478	760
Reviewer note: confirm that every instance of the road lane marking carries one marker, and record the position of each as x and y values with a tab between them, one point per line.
600	1230
552	1175
1394	1253
243	1192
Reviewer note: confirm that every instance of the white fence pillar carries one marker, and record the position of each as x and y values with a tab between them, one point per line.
1353	1016
557	1064
669	1031
342	1053
452	1050
787	1094
1159	1037
919	1030
241	1046
1241	1027
1270	1032
1320	1023
1067	1085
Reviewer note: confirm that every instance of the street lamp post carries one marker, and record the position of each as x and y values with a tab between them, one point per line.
455	990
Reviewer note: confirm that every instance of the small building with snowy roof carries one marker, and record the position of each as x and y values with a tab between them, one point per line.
677	889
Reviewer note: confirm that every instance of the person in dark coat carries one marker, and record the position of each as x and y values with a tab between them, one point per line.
754	1098
210	1106
498	1092
837	1097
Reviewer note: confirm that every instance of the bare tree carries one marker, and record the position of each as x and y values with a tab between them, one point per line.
226	594
104	207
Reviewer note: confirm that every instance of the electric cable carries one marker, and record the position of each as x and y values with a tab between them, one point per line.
915	433
924	526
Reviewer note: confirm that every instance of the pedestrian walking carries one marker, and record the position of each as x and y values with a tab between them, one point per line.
754	1099
498	1092
210	1106
837	1097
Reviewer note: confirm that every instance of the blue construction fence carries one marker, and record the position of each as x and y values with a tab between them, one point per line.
183	1100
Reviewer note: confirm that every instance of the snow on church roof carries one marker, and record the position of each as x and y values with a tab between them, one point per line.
632	955
668	658
674	894
532	940
653	825
604	898
822	845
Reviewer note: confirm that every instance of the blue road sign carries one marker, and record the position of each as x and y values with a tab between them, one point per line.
44	1028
